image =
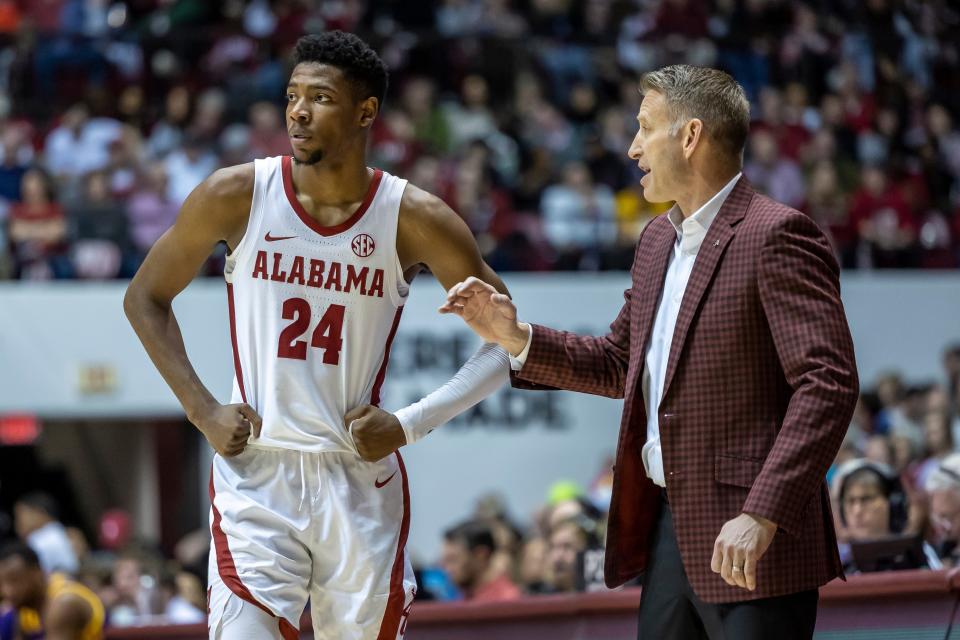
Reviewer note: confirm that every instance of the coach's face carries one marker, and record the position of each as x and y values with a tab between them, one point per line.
325	118
658	153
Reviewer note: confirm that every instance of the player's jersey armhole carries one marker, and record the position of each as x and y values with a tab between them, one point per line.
401	288
261	169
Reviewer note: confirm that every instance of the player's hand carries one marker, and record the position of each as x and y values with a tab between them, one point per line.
490	314
227	427
740	545
376	433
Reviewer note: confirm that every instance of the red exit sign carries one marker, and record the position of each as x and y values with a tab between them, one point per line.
18	430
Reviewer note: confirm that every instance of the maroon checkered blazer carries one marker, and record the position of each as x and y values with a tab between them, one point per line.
760	388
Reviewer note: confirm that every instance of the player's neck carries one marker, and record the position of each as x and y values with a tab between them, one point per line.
333	182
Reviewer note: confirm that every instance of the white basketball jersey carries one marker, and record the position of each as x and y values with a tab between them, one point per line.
313	309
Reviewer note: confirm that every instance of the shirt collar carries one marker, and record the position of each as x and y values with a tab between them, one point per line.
691	231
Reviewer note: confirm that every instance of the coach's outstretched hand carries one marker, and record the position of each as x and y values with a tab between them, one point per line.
377	433
227	427
490	314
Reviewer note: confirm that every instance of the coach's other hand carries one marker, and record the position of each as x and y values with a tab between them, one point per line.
376	433
227	427
490	314
740	545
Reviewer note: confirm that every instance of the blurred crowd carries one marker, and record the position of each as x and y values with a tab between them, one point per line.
518	113
136	583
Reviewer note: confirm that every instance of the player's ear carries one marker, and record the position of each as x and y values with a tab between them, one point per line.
368	110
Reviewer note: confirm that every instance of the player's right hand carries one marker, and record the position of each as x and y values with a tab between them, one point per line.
490	314
227	427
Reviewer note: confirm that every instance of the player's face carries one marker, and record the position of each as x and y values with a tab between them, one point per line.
657	152
324	118
20	584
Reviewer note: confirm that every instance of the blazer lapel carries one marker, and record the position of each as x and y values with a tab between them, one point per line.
654	260
719	235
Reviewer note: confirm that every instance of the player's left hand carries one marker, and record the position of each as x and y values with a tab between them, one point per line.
377	433
740	545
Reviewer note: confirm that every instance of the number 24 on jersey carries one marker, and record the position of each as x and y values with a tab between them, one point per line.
328	334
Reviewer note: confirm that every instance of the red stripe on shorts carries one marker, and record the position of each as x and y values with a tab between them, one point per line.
228	570
394	612
378	384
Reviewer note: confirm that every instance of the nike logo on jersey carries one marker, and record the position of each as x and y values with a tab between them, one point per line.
270	238
381	485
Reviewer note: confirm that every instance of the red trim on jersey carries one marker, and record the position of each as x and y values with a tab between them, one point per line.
286	168
378	383
228	569
395	611
233	338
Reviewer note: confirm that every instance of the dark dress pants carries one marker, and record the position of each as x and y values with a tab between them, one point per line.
670	610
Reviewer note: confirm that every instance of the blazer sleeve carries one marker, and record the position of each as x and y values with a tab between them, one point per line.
589	364
799	289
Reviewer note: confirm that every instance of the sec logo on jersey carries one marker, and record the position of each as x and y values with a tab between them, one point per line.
363	245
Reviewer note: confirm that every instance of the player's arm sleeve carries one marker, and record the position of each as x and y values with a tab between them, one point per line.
480	376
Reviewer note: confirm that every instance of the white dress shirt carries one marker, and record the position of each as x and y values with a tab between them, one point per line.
690	234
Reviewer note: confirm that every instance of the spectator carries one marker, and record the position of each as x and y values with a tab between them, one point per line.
883	220
101	244
533	565
80	144
38	230
136	596
468	550
16	157
872	506
939	442
418	100
568	539
268	135
167	133
776	175
151	209
579	218
943	487
183	597
188	167
44	606
827	205
36	521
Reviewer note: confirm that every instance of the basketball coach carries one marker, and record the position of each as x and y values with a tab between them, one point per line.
735	362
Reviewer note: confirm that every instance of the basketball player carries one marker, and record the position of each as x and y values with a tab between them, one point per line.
54	608
308	496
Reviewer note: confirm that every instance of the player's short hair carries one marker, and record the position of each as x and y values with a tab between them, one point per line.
41	501
710	95
359	63
20	550
472	533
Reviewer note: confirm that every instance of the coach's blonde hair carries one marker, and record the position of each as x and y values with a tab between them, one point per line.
710	95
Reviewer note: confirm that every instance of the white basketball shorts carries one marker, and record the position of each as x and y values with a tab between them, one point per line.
289	525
